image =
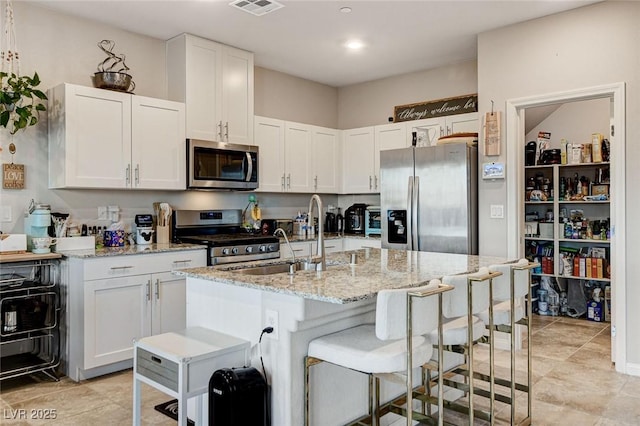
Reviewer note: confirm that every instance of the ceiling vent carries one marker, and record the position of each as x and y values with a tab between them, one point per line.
257	7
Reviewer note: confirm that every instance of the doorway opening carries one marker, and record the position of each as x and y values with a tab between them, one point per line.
516	126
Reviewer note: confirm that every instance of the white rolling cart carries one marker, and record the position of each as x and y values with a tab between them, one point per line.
181	363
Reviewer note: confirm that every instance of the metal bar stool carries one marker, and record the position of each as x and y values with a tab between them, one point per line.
398	343
509	290
471	295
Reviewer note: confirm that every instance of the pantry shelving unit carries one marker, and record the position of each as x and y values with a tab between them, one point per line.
549	243
30	305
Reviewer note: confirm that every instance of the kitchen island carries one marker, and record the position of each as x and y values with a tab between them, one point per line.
306	305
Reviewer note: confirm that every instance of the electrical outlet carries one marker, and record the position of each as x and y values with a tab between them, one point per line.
271	320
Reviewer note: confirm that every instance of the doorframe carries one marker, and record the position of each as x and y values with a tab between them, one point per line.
515	136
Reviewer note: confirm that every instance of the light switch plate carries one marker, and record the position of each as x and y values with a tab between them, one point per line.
5	214
102	213
497	211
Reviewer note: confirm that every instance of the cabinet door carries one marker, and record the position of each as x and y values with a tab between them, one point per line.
269	136
90	138
326	155
237	96
169	303
203	88
360	243
158	155
358	160
462	123
116	311
297	157
388	136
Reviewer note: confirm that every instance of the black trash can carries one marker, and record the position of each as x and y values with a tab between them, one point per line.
237	397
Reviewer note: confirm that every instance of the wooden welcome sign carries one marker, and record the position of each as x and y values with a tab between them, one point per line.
438	108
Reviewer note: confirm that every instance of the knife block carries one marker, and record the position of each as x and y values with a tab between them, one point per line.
162	235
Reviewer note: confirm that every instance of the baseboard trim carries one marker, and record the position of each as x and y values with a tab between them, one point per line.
632	369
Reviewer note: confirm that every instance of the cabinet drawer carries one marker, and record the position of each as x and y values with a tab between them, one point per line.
126	265
157	368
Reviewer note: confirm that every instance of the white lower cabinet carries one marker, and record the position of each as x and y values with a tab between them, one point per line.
303	249
360	243
115	300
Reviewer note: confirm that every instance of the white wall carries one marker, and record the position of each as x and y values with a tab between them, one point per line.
575	122
586	47
372	103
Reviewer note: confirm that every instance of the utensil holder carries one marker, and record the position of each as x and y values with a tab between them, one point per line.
162	235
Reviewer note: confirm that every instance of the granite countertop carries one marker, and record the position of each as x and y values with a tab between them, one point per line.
130	249
375	270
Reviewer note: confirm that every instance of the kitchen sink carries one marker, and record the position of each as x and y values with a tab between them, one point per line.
277	268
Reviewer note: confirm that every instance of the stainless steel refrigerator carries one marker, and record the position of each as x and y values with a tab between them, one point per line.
429	198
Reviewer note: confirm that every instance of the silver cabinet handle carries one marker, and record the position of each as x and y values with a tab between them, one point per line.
220	130
157	289
448	130
128	173
137	174
375	181
121	267
148	288
282	182
298	249
441	131
226	131
182	261
370	186
289	181
315	182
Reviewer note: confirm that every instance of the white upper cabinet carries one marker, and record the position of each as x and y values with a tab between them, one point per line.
158	153
326	160
296	157
105	139
215	82
361	160
387	136
358	160
269	137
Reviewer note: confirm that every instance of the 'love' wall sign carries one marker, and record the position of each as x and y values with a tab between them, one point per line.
438	108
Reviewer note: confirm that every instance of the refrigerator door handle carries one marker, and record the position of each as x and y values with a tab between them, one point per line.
415	213
409	218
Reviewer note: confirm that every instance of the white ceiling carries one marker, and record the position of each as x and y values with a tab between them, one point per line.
305	38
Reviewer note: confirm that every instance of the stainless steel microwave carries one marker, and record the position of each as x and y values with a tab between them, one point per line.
221	165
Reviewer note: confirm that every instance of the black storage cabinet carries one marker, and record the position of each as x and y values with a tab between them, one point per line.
237	397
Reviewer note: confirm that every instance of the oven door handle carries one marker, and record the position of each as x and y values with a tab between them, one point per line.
249	167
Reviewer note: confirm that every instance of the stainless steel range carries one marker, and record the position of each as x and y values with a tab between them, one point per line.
222	232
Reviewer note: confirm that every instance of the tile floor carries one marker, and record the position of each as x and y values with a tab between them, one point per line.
574	384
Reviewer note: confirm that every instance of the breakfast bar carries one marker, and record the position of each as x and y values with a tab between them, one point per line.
238	300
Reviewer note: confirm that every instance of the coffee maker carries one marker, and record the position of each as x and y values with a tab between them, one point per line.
354	219
36	223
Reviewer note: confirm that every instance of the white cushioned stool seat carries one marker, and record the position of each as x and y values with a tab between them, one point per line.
502	313
358	348
454	332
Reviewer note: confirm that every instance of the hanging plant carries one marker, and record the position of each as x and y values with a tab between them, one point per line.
20	104
20	101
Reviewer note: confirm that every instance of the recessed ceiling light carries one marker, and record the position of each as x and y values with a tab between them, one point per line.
345	9
354	44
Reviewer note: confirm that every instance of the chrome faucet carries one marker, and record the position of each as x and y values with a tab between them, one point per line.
284	234
322	264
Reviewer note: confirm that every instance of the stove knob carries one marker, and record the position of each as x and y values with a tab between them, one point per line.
263	248
225	251
234	250
249	249
271	248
